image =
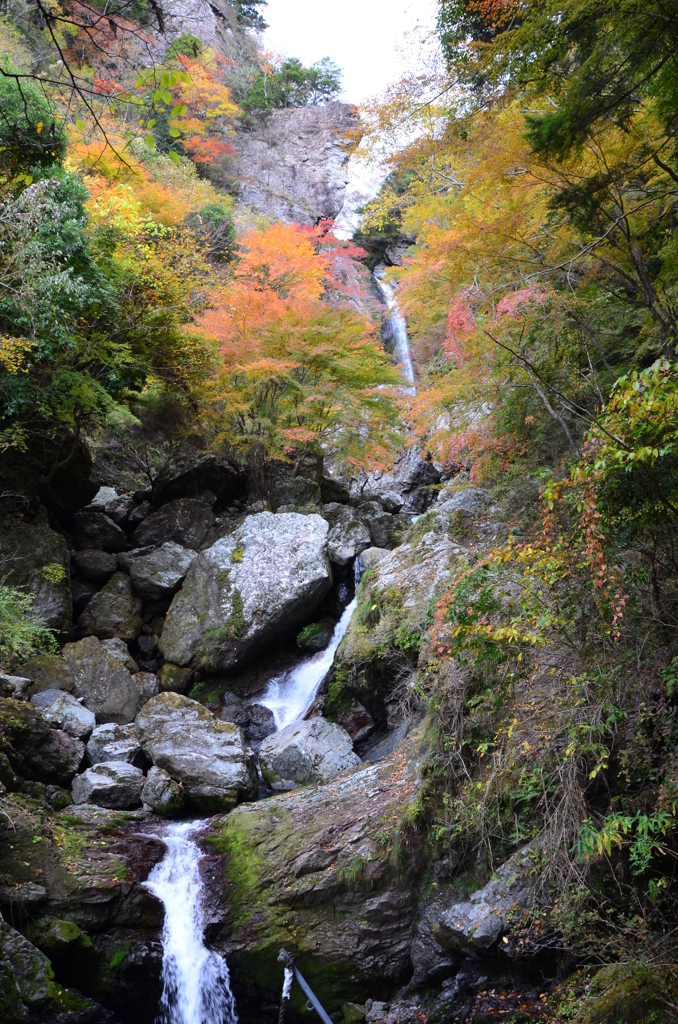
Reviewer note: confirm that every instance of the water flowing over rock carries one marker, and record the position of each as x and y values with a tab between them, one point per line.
115	784
102	680
196	982
312	751
207	756
251	588
398	329
290	696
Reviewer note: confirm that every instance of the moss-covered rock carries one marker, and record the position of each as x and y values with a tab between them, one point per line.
312	871
632	994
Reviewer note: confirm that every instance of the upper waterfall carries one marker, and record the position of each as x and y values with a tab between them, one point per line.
399	328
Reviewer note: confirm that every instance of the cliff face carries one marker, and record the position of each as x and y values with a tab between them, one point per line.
214	23
292	164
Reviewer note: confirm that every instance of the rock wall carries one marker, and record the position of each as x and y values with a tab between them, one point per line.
291	164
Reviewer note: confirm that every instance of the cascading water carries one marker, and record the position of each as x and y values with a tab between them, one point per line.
196	983
290	696
398	327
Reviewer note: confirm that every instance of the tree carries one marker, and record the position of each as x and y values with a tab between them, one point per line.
303	368
290	84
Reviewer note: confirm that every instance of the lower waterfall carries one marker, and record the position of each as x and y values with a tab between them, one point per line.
196	982
399	328
290	696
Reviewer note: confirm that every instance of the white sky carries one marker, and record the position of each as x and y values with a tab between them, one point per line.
362	36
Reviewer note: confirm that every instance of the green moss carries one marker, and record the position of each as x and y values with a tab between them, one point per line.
237	554
119	957
310	632
224	579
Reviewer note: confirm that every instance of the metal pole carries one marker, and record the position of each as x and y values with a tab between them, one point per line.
287	959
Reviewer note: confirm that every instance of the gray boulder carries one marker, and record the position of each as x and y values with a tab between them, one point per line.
27	978
372	557
114	611
381	525
64	711
312	751
158	572
48	672
355	719
149	686
94	529
161	793
34	750
348	534
119	650
116	506
35	558
114	784
408	487
191	475
250	589
207	756
96	566
477	925
111	742
103	681
186	521
468	500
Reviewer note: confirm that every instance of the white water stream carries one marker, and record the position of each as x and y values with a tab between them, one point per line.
399	328
196	983
289	696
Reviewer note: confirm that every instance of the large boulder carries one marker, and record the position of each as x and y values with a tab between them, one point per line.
312	871
190	476
161	793
381	524
95	565
114	612
103	681
33	749
207	756
409	487
116	506
312	751
115	784
477	924
112	742
157	572
35	558
65	712
48	672
27	984
186	521
250	589
348	536
92	528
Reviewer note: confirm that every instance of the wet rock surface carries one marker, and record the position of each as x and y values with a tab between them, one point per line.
185	521
34	750
111	742
249	589
208	757
311	751
103	681
114	784
349	534
158	572
114	612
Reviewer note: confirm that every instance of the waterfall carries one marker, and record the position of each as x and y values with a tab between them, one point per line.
291	695
399	328
196	984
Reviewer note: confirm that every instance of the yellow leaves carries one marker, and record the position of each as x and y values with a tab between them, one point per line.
13	351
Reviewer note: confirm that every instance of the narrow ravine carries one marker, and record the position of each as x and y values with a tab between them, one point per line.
196	983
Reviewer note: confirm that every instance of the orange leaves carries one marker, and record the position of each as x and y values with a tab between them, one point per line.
297	369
